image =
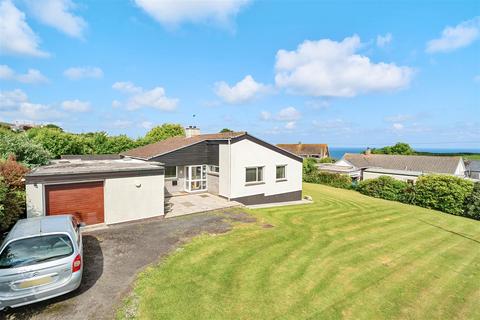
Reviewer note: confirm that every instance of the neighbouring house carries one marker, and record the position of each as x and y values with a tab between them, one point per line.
303	150
473	169
18	126
232	165
401	167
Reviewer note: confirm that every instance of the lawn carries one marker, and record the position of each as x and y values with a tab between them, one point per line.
345	256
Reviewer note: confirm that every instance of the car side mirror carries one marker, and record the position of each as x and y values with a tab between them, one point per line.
81	224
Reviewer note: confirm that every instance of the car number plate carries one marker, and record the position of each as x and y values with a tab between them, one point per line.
35	282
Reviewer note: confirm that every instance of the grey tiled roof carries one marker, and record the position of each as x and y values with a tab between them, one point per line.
432	164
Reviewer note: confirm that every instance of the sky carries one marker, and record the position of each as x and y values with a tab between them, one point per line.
346	73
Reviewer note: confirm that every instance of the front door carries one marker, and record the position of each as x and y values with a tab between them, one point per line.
196	178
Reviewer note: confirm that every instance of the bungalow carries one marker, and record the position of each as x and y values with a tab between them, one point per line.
401	167
307	150
232	165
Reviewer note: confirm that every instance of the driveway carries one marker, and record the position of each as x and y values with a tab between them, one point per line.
113	257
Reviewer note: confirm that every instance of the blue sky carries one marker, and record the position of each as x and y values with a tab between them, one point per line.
366	73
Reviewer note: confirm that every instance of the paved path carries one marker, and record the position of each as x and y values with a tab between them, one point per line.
197	202
113	256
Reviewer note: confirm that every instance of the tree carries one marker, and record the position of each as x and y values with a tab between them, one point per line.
24	150
165	131
53	126
225	130
57	142
13	172
400	148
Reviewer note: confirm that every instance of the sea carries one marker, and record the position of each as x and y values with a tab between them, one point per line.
338	152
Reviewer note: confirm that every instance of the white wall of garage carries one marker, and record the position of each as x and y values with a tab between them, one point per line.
133	198
125	199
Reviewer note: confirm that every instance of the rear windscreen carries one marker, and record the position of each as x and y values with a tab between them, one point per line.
35	250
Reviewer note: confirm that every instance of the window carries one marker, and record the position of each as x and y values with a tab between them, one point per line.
254	174
171	172
281	172
35	250
213	169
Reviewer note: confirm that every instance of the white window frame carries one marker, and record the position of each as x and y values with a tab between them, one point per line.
256	175
285	172
214	172
176	173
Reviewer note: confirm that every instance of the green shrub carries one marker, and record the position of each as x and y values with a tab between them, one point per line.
332	179
442	192
384	187
309	166
471	207
23	149
326	160
12	205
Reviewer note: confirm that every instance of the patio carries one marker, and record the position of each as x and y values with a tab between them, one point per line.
193	203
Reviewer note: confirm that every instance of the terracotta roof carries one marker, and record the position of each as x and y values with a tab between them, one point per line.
305	149
166	146
433	164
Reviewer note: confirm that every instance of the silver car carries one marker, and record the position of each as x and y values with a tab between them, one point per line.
40	258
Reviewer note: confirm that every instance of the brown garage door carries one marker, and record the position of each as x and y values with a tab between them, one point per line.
83	200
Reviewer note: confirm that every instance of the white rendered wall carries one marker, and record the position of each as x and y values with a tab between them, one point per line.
133	198
373	175
35	200
246	153
224	175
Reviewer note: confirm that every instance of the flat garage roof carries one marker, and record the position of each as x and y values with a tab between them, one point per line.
62	169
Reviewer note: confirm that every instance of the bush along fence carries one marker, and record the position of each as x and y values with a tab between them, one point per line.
444	193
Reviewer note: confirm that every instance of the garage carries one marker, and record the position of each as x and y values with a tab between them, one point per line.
83	200
104	191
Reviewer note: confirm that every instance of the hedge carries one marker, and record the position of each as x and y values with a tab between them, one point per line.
331	179
384	187
472	203
442	192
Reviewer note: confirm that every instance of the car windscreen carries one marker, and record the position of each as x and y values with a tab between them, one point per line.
29	251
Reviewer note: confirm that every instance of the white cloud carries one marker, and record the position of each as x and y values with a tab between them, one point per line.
139	97
121	124
16	103
336	126
174	12
397	126
58	14
318	103
265	115
383	41
32	75
16	36
126	86
290	125
288	114
453	38
10	100
147	125
76	105
116	104
331	68
243	91
400	118
76	73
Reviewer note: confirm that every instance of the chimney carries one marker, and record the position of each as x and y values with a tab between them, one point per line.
191	131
